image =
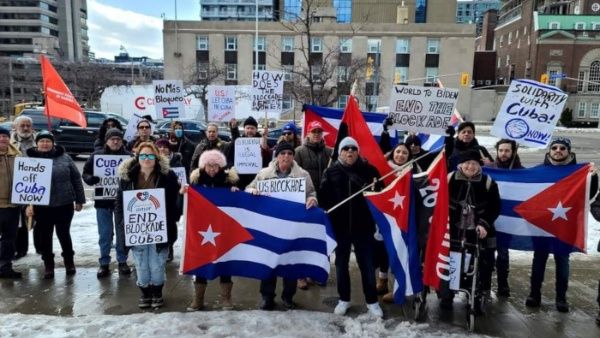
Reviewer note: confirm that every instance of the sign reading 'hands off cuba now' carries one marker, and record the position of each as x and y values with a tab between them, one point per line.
32	178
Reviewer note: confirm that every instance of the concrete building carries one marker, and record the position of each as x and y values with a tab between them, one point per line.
472	11
55	28
237	10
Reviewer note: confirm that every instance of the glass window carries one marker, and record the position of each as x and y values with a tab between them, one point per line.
202	71
342	74
342	101
433	46
554	25
201	42
261	44
316	45
594	77
287	103
552	75
343	9
287	43
231	71
400	75
580	82
95	120
431	74
346	45
288	74
595	110
45	30
230	43
403	46
316	72
581	109
374	45
580	26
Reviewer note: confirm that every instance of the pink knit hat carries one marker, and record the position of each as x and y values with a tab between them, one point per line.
212	157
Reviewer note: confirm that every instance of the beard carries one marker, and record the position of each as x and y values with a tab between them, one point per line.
24	135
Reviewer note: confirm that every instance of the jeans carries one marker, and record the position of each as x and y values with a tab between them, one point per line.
502	267
150	264
538	269
363	250
106	225
9	223
48	218
267	288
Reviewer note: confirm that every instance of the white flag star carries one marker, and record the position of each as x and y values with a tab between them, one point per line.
209	236
559	211
397	200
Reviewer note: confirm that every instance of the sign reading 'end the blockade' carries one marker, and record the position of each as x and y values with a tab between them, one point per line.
289	188
145	217
32	178
105	167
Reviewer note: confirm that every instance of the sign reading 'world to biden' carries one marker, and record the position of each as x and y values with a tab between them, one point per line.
529	113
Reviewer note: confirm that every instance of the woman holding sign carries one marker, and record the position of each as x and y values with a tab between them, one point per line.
149	170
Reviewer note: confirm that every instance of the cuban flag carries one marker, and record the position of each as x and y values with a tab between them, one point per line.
543	208
238	234
170	112
431	142
394	212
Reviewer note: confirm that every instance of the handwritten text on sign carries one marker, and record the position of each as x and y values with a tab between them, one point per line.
105	167
181	174
422	109
32	178
267	91
145	217
290	188
221	103
168	98
247	156
529	113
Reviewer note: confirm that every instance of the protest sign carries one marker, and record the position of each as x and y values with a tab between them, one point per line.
289	188
145	217
267	91
529	113
32	179
131	130
221	103
455	272
105	167
181	175
247	156
422	109
169	98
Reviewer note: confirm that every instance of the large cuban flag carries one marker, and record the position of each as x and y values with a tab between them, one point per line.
543	208
394	212
238	234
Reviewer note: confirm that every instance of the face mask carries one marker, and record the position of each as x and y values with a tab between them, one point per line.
179	133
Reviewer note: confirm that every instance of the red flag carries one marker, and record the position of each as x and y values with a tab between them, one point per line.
438	244
354	125
59	100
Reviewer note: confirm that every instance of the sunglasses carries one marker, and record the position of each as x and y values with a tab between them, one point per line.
286	133
150	157
561	148
144	127
350	148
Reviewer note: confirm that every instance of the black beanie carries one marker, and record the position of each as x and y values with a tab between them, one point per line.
281	146
470	155
251	121
464	125
4	131
113	132
44	134
412	140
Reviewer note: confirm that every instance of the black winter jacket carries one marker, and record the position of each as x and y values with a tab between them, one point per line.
461	147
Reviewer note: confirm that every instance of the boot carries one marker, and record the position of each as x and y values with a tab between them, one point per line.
226	296
388	298
124	269
70	266
146	299
49	269
157	298
103	271
198	300
382	286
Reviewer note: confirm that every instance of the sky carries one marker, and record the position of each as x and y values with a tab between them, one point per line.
133	24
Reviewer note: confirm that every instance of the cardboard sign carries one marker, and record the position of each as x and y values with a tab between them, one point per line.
247	156
422	109
181	174
221	103
32	180
289	188
169	98
455	271
529	113
105	167
267	91
145	217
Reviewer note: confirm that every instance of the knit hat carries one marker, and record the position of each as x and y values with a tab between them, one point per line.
562	140
470	155
412	140
466	124
281	146
251	121
348	141
212	157
4	131
314	125
113	132
290	126
163	142
44	134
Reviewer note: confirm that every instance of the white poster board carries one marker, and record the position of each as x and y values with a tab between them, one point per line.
455	272
131	130
221	103
181	175
169	98
289	188
529	113
105	167
247	156
267	91
422	109
32	180
145	217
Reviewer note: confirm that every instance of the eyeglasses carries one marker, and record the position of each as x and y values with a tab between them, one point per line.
286	133
144	127
350	148
561	148
150	157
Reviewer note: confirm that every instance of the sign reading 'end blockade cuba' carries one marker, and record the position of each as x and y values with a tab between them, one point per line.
145	217
529	113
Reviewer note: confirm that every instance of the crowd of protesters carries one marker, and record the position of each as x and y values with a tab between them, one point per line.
473	208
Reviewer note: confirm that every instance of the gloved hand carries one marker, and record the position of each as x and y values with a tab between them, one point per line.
450	131
387	122
95	180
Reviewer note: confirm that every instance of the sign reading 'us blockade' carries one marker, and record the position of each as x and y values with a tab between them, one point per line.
290	188
145	217
32	178
529	113
105	167
422	109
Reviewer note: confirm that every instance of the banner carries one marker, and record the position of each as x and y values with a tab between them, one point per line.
221	103
267	91
289	188
145	217
422	109
529	113
247	156
169	98
32	179
105	167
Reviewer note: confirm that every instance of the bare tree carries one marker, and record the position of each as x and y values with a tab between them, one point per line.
200	77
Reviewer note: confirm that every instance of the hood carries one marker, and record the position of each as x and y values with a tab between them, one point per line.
232	175
54	153
129	166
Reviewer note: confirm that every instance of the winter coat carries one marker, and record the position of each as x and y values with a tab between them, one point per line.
129	172
176	160
313	158
270	173
90	179
461	147
480	192
7	164
186	150
136	141
223	179
205	145
352	219
66	186
22	144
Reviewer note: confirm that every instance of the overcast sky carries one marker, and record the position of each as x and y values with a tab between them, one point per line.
133	24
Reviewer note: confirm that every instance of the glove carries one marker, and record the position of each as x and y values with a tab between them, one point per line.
450	131
95	180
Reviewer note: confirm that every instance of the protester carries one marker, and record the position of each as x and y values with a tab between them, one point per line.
211	173
289	134
283	167
425	158
150	170
107	124
66	195
352	222
23	138
105	208
144	134
474	206
212	141
250	130
465	140
179	143
9	213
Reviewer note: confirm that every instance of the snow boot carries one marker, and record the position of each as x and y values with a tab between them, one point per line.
382	286
388	298
145	300
198	300
103	271
157	297
124	269
70	266
226	296
49	269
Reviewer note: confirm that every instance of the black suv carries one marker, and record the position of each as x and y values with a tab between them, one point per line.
195	130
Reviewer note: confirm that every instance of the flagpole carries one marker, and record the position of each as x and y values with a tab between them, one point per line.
185	211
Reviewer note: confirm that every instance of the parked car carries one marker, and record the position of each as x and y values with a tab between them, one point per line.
273	136
7	125
194	130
